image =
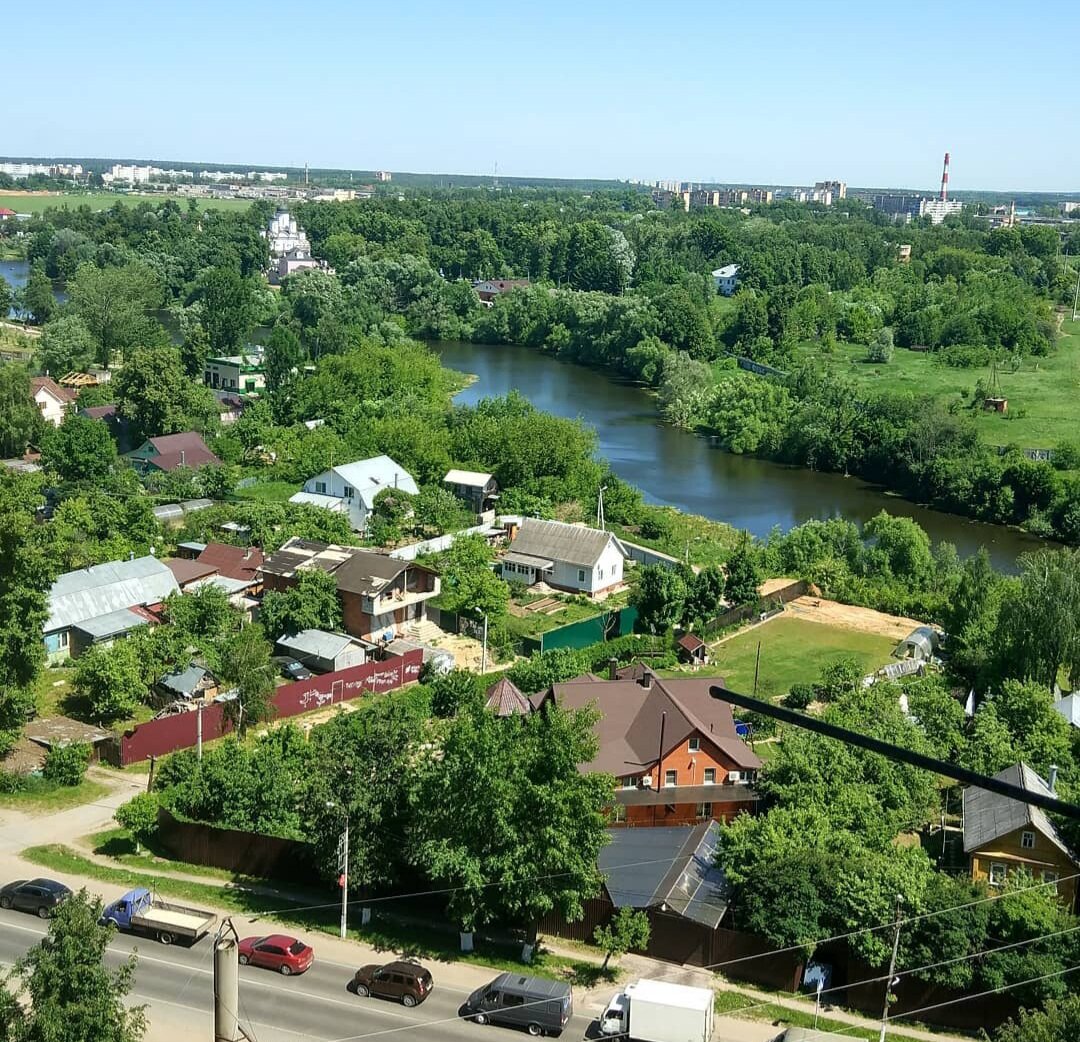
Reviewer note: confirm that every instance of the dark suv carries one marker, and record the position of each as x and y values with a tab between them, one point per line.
34	895
408	982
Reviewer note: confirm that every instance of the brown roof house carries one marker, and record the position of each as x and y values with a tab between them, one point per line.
672	747
52	399
1003	835
168	452
693	649
381	597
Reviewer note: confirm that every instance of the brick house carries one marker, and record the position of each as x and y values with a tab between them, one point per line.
381	597
672	747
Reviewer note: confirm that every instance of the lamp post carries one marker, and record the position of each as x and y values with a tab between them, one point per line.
483	658
343	870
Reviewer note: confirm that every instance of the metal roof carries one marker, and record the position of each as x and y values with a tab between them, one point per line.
471	478
558	541
505	699
100	589
528	560
317	499
320	643
988	816
186	681
102	627
369	477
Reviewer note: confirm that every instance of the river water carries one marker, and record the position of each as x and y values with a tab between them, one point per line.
679	469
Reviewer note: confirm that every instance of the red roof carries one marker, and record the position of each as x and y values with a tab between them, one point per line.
181	450
186	571
5	212
505	699
235	562
691	642
48	384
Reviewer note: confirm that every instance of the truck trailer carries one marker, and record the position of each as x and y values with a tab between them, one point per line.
656	1011
138	911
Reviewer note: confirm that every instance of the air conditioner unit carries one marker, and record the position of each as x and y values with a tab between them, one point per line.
646	781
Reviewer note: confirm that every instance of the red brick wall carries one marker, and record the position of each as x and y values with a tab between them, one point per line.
690	767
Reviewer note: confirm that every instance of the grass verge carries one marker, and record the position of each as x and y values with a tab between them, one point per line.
384	933
40	794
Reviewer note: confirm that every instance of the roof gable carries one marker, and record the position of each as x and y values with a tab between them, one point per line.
103	588
369	477
47	385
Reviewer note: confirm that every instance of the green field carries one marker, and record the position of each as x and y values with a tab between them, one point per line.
103	200
794	651
1042	394
267	492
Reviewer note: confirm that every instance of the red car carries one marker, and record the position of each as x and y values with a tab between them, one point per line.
278	952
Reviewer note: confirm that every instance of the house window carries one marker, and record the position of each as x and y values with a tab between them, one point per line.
671	778
347	492
581	575
704	810
320	488
734	776
628	781
1050	877
693	745
1027	840
599	573
997	873
710	775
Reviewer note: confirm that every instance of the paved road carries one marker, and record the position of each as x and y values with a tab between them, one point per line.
177	983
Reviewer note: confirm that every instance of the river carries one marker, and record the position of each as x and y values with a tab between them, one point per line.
679	469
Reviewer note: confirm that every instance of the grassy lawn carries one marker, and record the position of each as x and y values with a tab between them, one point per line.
55	697
793	650
708	542
267	492
1042	393
42	795
535	623
384	933
103	200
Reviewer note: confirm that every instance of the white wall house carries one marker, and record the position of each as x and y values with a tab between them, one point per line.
52	399
726	279
566	557
351	488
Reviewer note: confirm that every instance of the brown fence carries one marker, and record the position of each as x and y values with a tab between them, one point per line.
170	733
246	853
743	612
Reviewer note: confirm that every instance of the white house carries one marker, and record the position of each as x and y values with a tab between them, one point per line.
52	399
284	234
726	279
567	557
351	488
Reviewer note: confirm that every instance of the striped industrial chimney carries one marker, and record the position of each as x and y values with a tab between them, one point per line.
945	179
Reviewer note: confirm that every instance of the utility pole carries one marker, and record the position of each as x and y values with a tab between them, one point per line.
600	510
198	731
483	658
1076	295
757	666
892	971
227	985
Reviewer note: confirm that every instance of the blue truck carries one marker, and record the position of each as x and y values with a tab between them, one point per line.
140	912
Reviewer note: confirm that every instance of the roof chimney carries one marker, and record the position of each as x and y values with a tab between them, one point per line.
1051	783
183	458
612	666
646	679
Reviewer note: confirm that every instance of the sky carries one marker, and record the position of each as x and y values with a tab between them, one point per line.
781	93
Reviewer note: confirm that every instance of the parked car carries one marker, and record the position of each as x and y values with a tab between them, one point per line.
40	896
541	1007
407	982
287	955
292	669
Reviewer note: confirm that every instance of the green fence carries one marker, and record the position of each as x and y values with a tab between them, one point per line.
606	626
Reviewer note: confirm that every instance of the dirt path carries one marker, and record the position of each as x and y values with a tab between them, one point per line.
852	617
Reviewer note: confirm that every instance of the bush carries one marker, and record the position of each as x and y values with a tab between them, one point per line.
11	783
140	817
66	764
799	697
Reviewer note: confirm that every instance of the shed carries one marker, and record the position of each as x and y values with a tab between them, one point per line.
504	698
194	682
57	731
693	649
920	643
325	652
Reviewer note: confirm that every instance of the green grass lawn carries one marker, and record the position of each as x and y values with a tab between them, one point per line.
42	795
1042	394
55	697
703	540
103	200
268	492
793	651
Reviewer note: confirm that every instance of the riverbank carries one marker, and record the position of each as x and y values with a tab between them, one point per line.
686	471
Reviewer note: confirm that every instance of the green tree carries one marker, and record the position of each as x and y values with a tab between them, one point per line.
7	298
628	930
139	816
72	994
20	420
110	680
204	614
743	574
311	604
246	664
475	810
65	346
66	764
450	691
1057	1021
842	677
80	449
660	597
38	299
228	309
706	595
113	302
155	396
194	352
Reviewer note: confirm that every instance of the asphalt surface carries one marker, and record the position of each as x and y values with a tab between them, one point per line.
177	985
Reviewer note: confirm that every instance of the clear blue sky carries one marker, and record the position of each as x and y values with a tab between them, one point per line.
788	93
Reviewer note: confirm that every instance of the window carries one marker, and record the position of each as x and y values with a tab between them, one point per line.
581	575
710	775
1027	840
513	1000
693	745
671	778
347	492
628	781
734	776
65	638
704	810
320	488
997	873
599	573
1050	877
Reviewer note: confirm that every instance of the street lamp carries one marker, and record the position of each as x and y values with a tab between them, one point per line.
343	870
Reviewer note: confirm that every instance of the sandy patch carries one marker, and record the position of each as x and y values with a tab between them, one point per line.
866	620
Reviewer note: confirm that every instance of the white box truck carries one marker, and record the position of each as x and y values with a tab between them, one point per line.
656	1011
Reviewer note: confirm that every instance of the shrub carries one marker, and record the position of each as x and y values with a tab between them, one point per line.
799	697
66	764
139	817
